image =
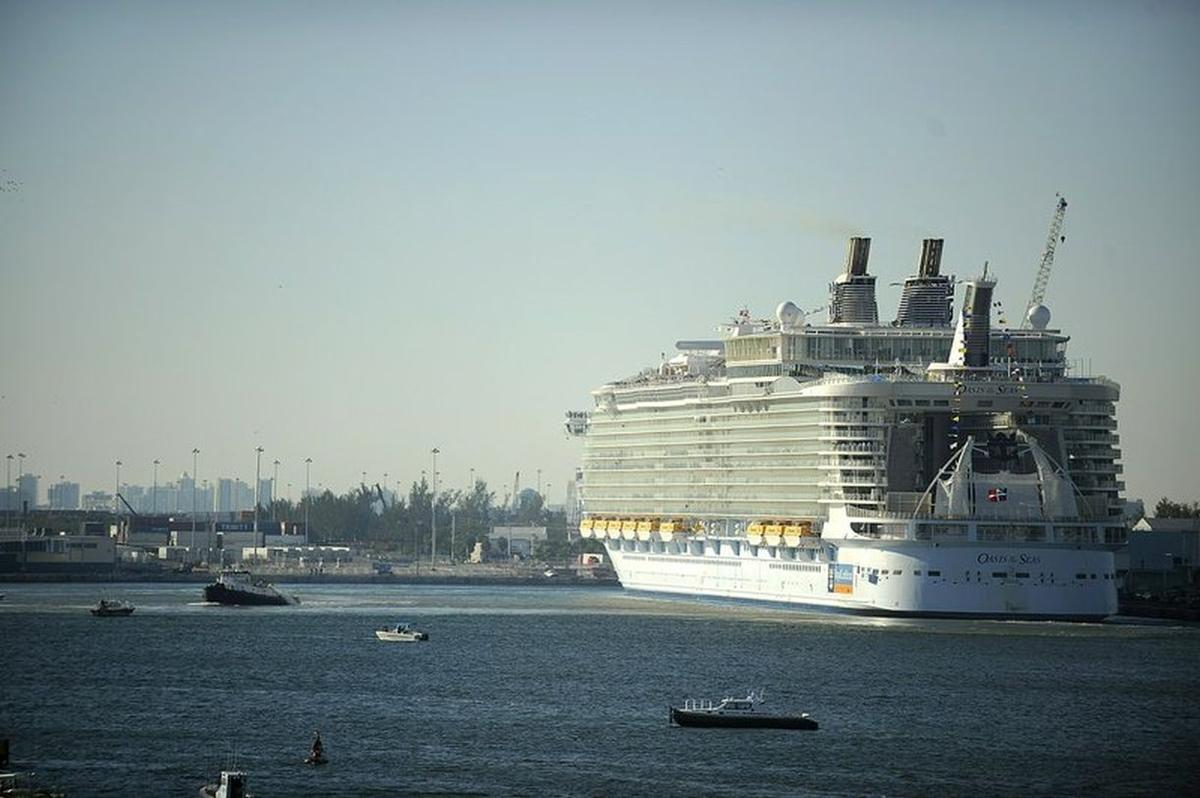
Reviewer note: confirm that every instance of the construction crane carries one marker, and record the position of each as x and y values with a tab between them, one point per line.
1053	239
127	504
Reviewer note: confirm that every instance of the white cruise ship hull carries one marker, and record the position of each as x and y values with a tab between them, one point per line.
904	579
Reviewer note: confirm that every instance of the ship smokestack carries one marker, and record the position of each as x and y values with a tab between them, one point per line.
931	257
852	297
928	298
973	334
858	250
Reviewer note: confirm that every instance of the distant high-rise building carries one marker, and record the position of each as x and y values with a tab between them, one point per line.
27	491
225	495
63	496
264	492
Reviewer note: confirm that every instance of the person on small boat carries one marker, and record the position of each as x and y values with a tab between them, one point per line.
318	750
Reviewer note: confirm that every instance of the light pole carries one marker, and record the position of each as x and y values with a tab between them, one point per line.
274	488
21	473
306	499
258	450
117	492
8	497
539	472
471	485
433	514
195	455
154	495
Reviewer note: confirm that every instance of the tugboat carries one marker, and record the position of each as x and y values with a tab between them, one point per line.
238	587
232	785
112	608
401	633
736	713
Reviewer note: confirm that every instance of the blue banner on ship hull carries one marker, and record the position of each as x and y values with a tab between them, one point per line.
841	578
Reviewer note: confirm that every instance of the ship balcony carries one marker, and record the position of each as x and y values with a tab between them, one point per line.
1074	436
853	448
1077	467
874	465
848	435
1091	423
876	479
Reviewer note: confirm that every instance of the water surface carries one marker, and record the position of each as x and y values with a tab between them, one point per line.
564	691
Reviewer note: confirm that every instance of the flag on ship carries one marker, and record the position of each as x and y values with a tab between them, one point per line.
997	494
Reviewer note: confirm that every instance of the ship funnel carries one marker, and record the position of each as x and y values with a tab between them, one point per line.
852	297
972	335
931	257
928	298
858	251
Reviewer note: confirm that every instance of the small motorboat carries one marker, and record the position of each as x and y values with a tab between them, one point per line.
401	633
736	713
111	608
232	785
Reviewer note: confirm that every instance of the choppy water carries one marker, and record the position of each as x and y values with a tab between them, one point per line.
564	691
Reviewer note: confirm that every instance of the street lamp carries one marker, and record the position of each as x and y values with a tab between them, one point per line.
117	492
21	473
306	499
154	495
433	514
274	487
471	485
195	454
258	450
8	497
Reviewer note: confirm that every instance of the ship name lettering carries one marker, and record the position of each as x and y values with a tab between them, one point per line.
1024	558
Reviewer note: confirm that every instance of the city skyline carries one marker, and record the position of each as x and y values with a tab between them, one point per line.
359	236
140	494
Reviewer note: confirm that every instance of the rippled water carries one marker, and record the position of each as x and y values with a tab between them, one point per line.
564	691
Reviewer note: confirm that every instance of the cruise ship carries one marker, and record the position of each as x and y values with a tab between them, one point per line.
939	464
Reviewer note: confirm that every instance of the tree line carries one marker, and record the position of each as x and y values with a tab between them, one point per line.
1171	509
404	525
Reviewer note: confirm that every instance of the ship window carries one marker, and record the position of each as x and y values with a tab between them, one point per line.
921	402
899	573
1022	575
885	572
935	573
916	573
999	574
942	403
904	403
1081	576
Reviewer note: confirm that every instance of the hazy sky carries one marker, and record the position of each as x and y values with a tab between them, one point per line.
356	231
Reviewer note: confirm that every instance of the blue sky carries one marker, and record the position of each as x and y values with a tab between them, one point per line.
356	231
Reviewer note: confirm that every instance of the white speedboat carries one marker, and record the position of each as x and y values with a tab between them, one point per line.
401	633
232	785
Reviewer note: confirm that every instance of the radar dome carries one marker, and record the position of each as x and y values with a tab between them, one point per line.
789	315
1038	317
